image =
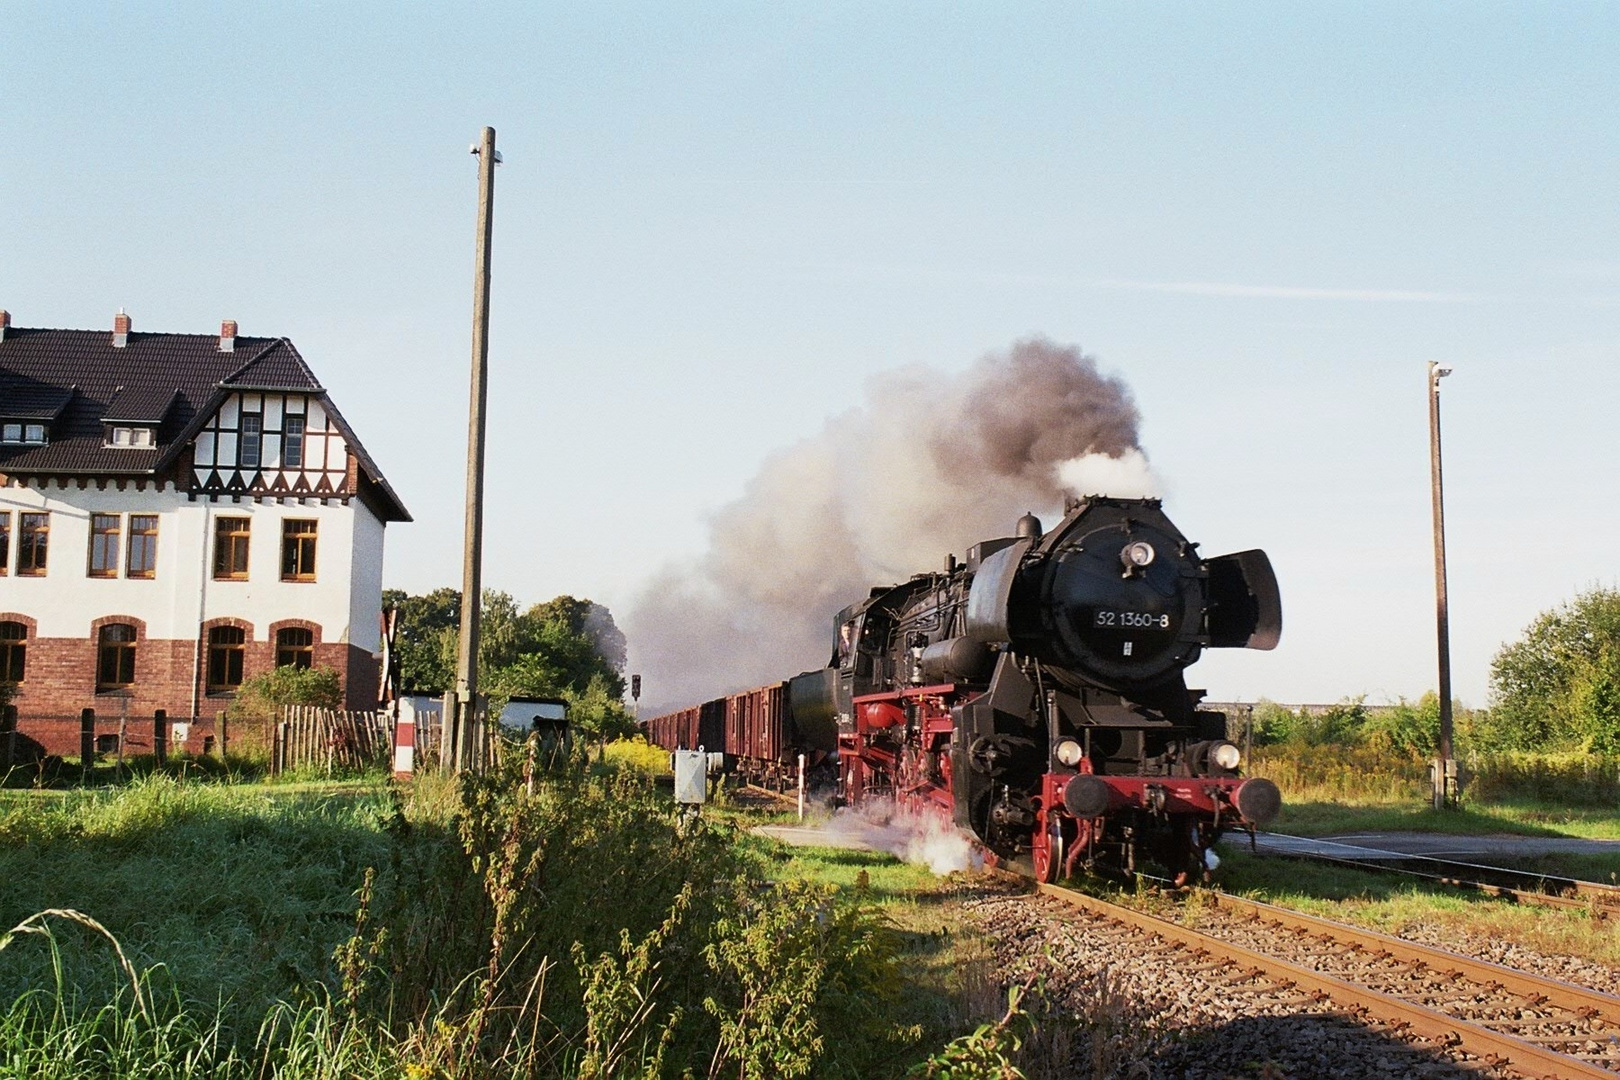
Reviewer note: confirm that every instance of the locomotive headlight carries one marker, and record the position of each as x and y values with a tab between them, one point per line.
1069	752
1223	755
1137	554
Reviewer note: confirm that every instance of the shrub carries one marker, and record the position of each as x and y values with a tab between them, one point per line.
261	697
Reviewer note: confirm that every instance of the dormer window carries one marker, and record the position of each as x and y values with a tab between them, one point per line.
22	433
132	438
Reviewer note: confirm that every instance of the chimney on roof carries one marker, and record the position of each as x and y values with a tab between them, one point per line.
120	329
227	336
5	324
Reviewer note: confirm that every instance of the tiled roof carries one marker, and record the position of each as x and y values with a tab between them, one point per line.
78	381
275	368
139	405
27	399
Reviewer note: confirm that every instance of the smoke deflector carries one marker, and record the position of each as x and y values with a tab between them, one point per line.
1245	609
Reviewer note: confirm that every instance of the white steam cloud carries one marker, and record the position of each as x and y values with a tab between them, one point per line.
930	465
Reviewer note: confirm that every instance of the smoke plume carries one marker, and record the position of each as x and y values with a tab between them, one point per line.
931	464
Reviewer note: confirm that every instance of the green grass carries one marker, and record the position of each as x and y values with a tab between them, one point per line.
521	935
240	892
1321	817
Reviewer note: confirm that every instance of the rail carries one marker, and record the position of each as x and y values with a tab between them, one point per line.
1438	985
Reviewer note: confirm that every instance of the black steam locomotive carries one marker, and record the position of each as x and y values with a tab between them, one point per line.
1035	695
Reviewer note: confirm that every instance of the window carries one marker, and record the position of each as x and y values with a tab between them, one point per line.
115	657
231	549
5	541
252	440
22	433
227	645
104	545
295	647
292	443
297	551
32	542
142	559
34	433
132	437
13	651
10	433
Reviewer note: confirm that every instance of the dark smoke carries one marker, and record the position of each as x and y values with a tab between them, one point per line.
931	464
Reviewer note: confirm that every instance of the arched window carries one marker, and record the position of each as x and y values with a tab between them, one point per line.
295	647
13	651
115	657
227	646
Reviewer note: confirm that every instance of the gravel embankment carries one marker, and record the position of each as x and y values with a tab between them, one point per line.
1145	1013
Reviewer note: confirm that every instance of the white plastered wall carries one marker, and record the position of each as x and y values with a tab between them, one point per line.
344	599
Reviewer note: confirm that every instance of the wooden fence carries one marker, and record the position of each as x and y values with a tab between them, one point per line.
309	737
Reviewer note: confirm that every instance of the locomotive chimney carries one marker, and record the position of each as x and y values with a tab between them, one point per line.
1028	527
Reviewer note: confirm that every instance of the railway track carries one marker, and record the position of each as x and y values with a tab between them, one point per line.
1509	1020
1518	886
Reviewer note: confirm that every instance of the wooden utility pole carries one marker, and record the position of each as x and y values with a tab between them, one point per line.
468	739
1445	767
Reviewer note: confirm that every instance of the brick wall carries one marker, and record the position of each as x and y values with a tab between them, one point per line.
61	677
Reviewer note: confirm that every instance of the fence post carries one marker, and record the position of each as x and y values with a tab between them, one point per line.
160	736
87	742
222	725
8	734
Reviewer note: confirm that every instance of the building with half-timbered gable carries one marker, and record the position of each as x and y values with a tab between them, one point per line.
179	512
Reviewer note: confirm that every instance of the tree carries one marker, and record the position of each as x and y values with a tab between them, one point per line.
565	647
1558	686
424	624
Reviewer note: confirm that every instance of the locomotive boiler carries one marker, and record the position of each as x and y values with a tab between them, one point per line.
1034	694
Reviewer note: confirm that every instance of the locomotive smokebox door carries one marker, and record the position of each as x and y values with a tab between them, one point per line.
691	777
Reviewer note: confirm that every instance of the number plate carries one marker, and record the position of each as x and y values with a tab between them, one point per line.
1130	620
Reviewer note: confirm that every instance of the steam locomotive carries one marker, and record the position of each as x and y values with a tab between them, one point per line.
1035	696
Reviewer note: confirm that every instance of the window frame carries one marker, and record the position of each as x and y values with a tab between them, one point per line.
34	540
242	438
302	653
13	654
103	548
121	652
292	442
123	437
226	658
5	542
227	537
298	549
147	569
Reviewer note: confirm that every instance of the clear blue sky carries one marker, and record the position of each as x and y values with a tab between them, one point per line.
716	222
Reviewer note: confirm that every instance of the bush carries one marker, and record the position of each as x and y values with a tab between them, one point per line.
1334	773
1575	779
261	697
1558	687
